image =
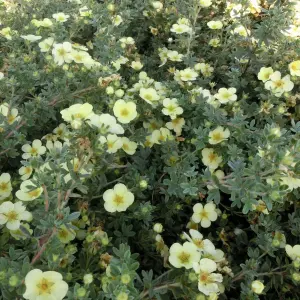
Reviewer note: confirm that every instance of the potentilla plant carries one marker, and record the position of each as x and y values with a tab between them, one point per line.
149	149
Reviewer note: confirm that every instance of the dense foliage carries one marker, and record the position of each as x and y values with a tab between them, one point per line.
149	149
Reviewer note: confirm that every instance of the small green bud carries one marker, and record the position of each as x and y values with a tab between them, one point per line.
89	238
193	277
125	278
296	276
13	280
81	292
81	234
224	216
85	218
158	228
55	257
109	90
143	184
119	93
122	296
275	243
296	264
104	241
2	275
69	276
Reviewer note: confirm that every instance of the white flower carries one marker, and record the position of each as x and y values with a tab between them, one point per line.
12	214
184	255
46	44
210	158
265	73
128	146
174	55
160	135
77	113
45	23
35	150
149	95
106	123
136	65
117	20
125	112
176	125
226	95
241	30
180	28
208	280
117	199
61	17
171	108
215	24
81	57
62	53
5	186
25	172
28	191
204	215
279	85
11	114
257	287
294	68
203	245
205	69
293	252
61	131
218	135
88	279
45	285
114	143
291	182
188	75
157	5
158	227
31	37
85	12
205	3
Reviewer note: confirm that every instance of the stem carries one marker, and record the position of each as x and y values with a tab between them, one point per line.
46	197
161	287
189	42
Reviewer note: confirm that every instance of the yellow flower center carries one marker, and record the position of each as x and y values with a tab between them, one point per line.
217	136
44	286
62	52
12	216
118	200
148	97
199	243
63	233
204	277
204	214
34	193
125	146
34	151
184	257
3	186
294	67
212	156
124	112
279	83
78	116
27	170
226	95
10	119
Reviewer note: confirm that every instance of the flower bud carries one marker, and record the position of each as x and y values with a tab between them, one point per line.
122	296
119	93
296	276
158	228
275	243
109	90
81	292
275	131
257	287
111	7
193	276
88	279
157	5
125	278
296	264
13	280
143	184
69	276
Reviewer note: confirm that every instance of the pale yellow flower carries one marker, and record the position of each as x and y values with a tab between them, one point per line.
294	68
128	146
28	191
34	150
257	287
5	186
204	214
125	112
215	25
218	135
150	95
210	158
265	73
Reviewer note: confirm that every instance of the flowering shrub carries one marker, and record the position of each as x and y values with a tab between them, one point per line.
149	149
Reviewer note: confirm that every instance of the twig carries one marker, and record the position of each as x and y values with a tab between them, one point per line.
46	197
161	287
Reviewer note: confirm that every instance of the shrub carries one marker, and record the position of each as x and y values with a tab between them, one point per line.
149	149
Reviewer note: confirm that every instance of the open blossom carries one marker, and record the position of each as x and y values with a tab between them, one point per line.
160	135
128	146
117	20
113	142
226	95
31	37
205	3
77	113
61	17
25	172
203	245
125	112
106	123
208	280
11	114
5	186
215	24
45	285
150	95
188	75
184	255
117	199
210	158
65	234
293	252
171	108
28	191
204	214
218	135
46	44
34	150
291	182
62	53
11	214
180	28
278	85
257	287
265	73
136	65
176	125
85	11
294	68
205	69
